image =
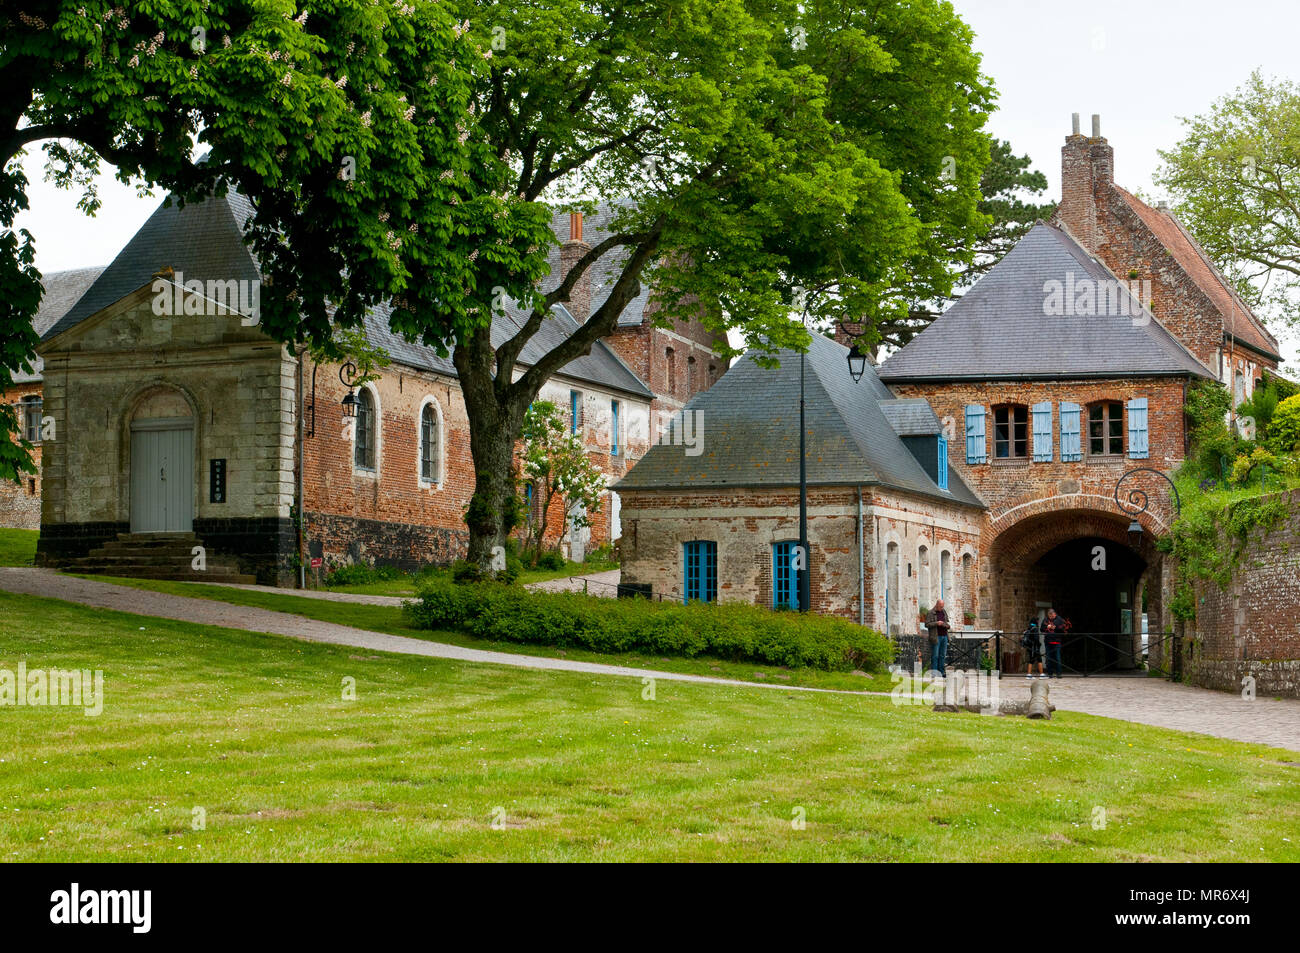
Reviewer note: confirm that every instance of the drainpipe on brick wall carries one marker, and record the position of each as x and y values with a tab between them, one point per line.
297	496
862	572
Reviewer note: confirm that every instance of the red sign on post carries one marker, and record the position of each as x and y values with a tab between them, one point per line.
315	562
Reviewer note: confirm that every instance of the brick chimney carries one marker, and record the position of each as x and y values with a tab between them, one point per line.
1087	173
571	251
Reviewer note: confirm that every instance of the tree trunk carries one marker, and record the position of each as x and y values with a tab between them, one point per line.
496	419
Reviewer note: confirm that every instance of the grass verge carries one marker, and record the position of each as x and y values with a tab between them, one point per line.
439	760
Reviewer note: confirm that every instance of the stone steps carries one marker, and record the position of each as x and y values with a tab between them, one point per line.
156	556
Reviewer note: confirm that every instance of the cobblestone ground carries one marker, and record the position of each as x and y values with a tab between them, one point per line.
1149	701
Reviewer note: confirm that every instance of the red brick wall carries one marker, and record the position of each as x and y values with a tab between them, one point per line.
20	503
1250	627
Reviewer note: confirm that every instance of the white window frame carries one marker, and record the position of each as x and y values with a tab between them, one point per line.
379	435
440	464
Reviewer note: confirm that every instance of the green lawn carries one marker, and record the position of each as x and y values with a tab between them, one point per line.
408	583
389	619
18	547
253	730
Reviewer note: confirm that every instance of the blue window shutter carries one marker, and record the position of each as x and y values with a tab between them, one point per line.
1071	438
1137	429
785	593
943	462
976	445
613	433
575	410
1043	432
701	565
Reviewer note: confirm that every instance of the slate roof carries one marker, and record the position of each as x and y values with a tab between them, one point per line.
1000	329
62	291
204	240
749	425
1238	320
911	417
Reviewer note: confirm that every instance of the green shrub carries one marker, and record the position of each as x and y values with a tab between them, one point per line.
463	572
361	574
1284	428
551	560
732	631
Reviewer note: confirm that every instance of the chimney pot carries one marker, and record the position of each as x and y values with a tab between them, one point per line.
1074	123
1096	125
575	226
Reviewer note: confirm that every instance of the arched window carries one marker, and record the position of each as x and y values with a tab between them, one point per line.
671	366
891	588
923	577
367	431
1238	389
1106	429
968	583
945	575
430	444
1010	432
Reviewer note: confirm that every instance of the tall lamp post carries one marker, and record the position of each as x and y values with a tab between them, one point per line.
857	367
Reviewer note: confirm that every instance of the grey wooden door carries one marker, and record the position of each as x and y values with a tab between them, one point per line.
162	476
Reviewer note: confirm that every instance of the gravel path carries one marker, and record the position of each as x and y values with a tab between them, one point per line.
1146	701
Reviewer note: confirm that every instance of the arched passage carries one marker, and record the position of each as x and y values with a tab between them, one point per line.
1083	563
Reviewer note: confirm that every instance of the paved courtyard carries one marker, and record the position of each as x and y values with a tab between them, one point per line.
1146	701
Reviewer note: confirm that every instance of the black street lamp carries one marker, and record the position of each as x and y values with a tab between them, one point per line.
857	368
1139	500
350	401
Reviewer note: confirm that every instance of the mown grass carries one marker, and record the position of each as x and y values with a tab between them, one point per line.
389	619
18	547
407	584
254	731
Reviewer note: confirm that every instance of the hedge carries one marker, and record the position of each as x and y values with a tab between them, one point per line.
730	631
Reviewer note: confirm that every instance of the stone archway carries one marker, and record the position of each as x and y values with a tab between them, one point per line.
161	487
1071	554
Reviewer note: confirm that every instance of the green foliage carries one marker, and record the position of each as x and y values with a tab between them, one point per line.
551	559
361	574
464	572
1212	440
728	631
1236	185
1284	429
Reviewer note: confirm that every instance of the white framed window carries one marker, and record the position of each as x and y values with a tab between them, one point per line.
430	443
366	434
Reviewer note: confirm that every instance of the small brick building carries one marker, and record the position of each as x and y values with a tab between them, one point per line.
1062	370
187	419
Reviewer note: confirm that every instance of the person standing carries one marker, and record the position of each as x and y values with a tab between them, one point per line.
1031	640
937	625
1053	630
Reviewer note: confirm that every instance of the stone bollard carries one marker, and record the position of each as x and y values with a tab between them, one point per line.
1038	704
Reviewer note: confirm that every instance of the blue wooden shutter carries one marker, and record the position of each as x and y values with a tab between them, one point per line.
943	463
613	432
785	593
1137	429
1071	439
976	445
701	558
1043	432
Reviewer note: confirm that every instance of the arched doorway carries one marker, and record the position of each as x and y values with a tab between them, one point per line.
1083	563
162	464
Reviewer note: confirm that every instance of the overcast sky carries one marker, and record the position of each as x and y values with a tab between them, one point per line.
1141	64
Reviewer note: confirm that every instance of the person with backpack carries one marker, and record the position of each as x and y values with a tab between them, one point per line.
1031	640
1053	628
